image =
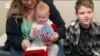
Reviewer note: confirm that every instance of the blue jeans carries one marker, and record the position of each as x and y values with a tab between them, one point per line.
16	52
4	53
61	49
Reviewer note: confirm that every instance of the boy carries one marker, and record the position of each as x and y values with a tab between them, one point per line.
42	31
83	35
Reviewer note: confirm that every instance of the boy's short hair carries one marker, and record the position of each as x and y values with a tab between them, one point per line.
42	6
86	3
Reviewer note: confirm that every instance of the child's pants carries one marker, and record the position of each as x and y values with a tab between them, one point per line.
53	50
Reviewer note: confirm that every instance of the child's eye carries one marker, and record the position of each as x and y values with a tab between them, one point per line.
43	17
24	0
81	13
89	12
39	17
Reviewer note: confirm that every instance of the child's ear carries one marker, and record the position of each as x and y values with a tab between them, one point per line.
76	15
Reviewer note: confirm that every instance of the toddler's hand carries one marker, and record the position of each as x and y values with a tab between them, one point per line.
45	36
35	31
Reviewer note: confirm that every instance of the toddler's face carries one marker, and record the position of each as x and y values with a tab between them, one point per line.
42	17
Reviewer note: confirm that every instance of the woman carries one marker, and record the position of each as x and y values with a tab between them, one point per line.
20	18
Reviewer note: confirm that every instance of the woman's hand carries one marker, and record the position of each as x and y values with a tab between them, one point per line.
25	44
54	37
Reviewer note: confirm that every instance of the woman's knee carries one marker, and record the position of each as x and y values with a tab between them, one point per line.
16	52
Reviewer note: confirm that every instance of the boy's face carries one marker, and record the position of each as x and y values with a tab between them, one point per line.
42	16
85	15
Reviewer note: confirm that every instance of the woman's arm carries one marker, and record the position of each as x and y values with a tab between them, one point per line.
13	31
56	19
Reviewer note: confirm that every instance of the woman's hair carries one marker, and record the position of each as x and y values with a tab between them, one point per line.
86	3
18	7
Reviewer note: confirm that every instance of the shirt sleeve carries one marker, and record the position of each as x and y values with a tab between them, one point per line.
56	18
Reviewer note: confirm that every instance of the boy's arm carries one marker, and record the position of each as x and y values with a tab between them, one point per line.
96	43
68	43
96	47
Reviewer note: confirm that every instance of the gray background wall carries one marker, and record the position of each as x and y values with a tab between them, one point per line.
65	7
